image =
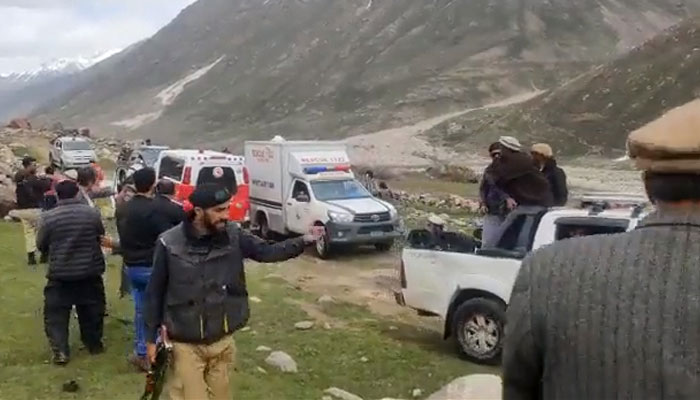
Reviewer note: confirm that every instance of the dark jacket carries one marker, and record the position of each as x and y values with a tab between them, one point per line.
139	223
557	182
70	234
492	196
516	174
608	317
30	189
197	288
172	211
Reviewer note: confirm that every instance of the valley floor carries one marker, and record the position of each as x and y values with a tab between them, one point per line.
362	342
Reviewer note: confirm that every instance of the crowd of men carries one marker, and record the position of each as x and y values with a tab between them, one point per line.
515	178
184	270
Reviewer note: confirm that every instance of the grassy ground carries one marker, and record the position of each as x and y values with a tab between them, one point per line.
361	353
419	183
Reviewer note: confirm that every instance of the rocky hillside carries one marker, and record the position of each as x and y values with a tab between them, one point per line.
227	70
594	113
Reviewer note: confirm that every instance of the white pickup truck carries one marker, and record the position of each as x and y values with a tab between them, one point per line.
469	290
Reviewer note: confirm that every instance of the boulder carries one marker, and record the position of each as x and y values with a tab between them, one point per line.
304	325
326	299
263	349
282	361
471	387
20	123
341	394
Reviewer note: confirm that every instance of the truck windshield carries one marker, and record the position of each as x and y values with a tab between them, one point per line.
76	145
150	156
339	190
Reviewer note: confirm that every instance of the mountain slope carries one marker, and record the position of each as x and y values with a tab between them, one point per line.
22	92
227	70
594	113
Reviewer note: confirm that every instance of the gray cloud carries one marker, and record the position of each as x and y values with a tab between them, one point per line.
38	31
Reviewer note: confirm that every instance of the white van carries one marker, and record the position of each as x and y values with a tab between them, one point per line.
298	184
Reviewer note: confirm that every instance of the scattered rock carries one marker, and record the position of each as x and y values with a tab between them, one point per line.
263	349
245	329
261	370
393	328
283	361
255	299
20	123
364	359
341	394
471	387
304	325
326	299
416	393
326	398
327	326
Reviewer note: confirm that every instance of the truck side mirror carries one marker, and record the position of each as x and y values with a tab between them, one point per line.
302	198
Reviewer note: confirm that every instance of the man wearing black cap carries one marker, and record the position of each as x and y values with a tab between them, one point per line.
70	234
30	193
198	292
139	224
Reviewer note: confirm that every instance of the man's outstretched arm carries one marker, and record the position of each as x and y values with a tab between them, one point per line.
261	251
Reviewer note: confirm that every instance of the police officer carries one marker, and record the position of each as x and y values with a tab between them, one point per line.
198	268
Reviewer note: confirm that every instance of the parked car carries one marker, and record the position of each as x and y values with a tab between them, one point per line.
470	289
71	152
132	159
297	184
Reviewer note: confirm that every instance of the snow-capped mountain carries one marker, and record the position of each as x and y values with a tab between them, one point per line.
21	92
59	67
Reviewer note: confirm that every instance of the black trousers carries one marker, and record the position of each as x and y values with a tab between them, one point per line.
88	297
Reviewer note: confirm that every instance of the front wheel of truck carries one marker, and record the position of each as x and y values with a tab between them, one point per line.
323	245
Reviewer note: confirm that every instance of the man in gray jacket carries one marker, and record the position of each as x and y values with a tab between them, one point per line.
618	317
198	292
70	234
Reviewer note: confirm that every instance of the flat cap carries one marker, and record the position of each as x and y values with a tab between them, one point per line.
509	142
543	149
209	195
670	144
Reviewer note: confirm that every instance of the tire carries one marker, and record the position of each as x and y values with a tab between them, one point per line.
265	231
323	246
385	246
478	329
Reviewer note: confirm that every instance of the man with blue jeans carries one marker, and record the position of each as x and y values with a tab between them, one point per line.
139	225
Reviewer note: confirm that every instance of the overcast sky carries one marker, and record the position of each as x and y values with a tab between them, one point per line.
33	32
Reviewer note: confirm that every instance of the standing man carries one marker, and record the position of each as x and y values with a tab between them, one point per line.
89	190
369	183
618	316
30	195
70	234
139	224
198	292
494	201
165	201
544	159
515	173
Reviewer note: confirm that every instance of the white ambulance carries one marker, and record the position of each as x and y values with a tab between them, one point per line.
295	185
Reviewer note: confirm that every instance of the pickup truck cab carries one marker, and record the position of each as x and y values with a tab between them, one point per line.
71	152
133	159
189	168
299	184
470	289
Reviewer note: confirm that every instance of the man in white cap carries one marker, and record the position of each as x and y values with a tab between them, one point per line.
436	227
516	174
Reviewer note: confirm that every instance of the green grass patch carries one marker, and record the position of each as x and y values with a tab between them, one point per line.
362	353
418	183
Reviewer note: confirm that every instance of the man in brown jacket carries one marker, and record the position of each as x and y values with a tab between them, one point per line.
618	317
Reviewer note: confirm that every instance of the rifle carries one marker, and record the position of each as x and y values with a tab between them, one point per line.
155	378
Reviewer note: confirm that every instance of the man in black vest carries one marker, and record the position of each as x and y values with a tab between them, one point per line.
198	293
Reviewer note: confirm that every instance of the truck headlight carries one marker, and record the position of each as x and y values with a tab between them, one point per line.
340	216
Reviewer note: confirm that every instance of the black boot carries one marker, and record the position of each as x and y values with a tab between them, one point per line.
44	259
60	359
31	258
